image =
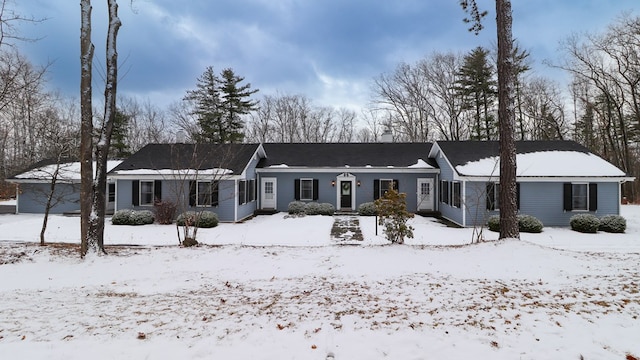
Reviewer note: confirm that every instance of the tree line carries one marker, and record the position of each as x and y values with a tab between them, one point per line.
443	96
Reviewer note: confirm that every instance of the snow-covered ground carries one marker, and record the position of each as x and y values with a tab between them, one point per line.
281	288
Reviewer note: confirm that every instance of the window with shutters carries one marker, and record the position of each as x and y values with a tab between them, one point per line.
456	194
146	193
242	192
580	197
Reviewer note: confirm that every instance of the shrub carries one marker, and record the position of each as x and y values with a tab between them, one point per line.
494	223
141	217
526	223
367	209
585	223
201	219
312	208
165	212
613	224
122	217
296	207
529	224
392	208
326	209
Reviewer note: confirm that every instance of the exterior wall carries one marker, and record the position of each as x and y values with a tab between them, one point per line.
407	183
33	197
177	191
247	209
447	211
544	200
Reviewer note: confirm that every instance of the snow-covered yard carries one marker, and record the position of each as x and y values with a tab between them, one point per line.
281	288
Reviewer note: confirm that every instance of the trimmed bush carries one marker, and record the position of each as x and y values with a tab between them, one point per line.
296	207
122	217
165	212
367	209
201	219
526	223
613	224
326	209
312	208
132	217
494	223
529	224
584	223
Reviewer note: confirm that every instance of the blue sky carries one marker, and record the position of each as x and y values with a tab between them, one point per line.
328	50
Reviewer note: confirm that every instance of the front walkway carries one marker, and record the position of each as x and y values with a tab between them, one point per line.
346	230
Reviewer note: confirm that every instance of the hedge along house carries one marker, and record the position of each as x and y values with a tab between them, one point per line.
555	180
216	177
346	174
34	186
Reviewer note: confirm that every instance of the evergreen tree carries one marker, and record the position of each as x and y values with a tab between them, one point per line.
393	214
235	103
119	146
477	87
219	104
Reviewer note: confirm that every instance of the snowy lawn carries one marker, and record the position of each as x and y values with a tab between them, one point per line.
281	288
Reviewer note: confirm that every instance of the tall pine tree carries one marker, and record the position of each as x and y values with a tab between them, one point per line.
219	104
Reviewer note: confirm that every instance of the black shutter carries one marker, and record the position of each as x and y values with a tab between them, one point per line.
376	189
192	193
315	189
157	191
491	196
135	192
296	190
568	194
593	197
214	194
518	195
396	185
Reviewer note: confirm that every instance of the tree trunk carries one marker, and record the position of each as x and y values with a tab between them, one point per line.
506	117
86	127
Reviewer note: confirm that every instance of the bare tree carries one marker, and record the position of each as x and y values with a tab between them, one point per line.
93	191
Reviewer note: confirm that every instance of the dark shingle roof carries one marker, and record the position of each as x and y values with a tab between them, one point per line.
234	157
462	152
341	154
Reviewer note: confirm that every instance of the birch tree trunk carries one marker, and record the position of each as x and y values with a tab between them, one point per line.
506	118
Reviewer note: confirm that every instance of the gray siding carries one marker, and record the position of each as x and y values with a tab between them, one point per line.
544	200
33	198
407	183
447	211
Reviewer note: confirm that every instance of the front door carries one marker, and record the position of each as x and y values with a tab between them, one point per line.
345	194
425	194
268	195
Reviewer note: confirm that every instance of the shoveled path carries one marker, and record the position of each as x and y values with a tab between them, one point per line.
346	230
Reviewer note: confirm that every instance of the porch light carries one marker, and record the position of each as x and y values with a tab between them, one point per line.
333	183
359	183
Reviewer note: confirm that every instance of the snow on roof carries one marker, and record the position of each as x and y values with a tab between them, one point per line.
67	171
421	164
279	166
201	172
545	163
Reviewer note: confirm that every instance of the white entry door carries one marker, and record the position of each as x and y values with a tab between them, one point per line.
268	195
425	194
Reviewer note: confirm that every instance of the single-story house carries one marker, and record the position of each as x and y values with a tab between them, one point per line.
555	180
34	185
457	179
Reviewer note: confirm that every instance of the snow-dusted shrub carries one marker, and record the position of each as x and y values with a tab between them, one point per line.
326	209
312	208
585	223
529	224
296	207
141	217
122	217
613	224
367	209
494	223
201	219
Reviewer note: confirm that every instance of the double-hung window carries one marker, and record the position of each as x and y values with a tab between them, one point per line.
146	192
306	189
580	197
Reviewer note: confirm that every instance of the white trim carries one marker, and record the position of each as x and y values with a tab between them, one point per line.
591	179
300	189
390	170
153	191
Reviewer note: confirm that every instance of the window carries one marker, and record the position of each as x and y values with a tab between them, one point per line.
251	190
146	193
444	192
306	189
580	197
381	186
242	192
111	194
493	196
456	194
207	193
